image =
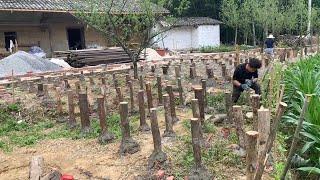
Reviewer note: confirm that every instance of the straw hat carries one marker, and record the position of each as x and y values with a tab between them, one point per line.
270	36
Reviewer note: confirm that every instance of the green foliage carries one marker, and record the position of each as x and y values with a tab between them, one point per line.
221	48
217	101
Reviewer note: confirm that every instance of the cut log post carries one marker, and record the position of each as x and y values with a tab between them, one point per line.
168	120
115	80
181	98
59	106
78	87
223	70
209	72
72	117
143	124
132	108
92	83
251	152
255	103
159	85
31	87
165	69
103	81
153	69
105	136
40	92
46	90
238	119
128	145
195	108
192	72
296	138
141	82
128	78
36	168
119	94
172	104
84	112
198	92
149	96
264	118
228	100
66	84
158	157
204	88
177	71
269	144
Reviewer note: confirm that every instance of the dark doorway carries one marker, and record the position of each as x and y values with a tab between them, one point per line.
9	36
75	38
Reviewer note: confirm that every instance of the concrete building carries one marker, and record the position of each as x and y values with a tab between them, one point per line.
190	33
49	24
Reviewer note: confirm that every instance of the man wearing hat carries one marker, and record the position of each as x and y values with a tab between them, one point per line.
270	45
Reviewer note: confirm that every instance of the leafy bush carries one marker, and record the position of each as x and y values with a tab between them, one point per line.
300	79
221	48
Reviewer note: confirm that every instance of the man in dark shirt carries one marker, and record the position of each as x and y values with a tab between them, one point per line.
269	45
245	77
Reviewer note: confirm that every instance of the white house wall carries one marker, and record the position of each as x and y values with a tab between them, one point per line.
177	38
208	35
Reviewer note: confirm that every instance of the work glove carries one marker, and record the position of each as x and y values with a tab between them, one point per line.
249	82
245	87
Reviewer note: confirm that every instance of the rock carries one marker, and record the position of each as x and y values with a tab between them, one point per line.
249	115
170	178
160	174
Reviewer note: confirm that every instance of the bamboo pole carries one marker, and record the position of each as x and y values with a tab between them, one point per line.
296	136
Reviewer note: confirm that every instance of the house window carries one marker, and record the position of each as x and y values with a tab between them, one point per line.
9	36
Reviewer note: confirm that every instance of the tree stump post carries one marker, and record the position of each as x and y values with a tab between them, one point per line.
209	72
172	104
251	151
192	72
115	80
180	92
128	78
204	87
198	92
36	168
223	71
40	91
177	71
78	87
92	83
165	69
105	136
128	145
132	108
158	157
66	84
228	100
153	69
255	102
143	124
119	94
198	171
141	82
168	120
264	118
149	96
159	85
72	117
59	106
84	112
238	119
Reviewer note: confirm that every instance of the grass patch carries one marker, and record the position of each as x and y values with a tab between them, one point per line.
222	48
217	101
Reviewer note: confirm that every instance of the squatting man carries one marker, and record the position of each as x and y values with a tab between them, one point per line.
245	77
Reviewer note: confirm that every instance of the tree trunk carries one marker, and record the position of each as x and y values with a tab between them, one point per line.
254	34
236	36
135	68
318	41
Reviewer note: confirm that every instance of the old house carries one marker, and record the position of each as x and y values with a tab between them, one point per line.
190	33
49	24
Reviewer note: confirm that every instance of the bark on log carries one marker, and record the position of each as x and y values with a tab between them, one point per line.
192	72
238	119
168	120
119	94
228	100
273	133
180	92
159	85
105	136
115	80
132	108
255	103
59	103
264	118
78	87
172	104
128	78
143	124
209	72
177	71
72	117
149	95
198	91
204	87
195	108
141	82
84	112
165	69
223	70
196	141
36	168
251	151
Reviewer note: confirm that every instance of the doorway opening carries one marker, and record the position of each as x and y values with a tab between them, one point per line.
76	38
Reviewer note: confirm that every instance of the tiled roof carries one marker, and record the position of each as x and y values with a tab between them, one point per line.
131	6
191	21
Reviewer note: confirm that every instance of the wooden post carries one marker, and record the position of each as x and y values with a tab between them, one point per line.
46	90
228	100
204	87
198	91
296	136
153	68
36	168
105	136
128	78
115	80
255	103
66	84
72	117
251	151
143	124
132	109
157	157
78	87
264	118
84	112
128	145
119	93
92	83
165	69
40	92
177	71
209	72
141	82
195	108
192	72
180	92
169	124
223	71
238	119
159	84
269	144
172	104
103	81
196	141
149	95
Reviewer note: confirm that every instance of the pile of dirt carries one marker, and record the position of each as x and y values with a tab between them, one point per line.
22	62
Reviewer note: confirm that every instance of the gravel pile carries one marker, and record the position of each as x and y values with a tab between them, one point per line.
22	62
